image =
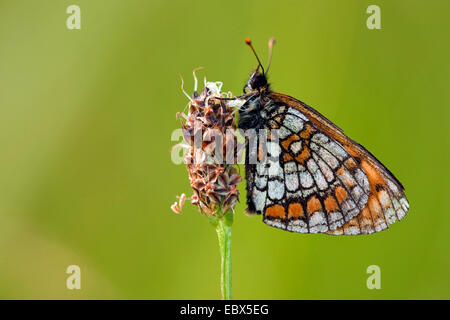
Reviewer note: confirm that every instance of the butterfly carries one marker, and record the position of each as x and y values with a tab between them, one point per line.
321	181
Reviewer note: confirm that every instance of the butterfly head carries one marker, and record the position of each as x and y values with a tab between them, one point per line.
258	79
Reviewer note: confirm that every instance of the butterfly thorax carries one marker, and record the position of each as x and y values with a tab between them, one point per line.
250	113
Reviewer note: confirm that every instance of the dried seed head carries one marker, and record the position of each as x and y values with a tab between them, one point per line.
208	129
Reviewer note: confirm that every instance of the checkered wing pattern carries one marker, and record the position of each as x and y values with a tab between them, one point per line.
317	180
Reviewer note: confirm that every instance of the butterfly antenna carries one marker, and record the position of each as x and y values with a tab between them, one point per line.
269	60
249	43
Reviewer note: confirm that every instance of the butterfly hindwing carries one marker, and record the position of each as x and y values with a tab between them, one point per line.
316	179
308	183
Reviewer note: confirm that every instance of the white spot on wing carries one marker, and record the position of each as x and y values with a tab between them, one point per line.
401	214
297	113
293	123
261	169
292	181
320	180
392	186
276	190
396	204
297	226
327	172
361	178
390	215
312	166
296	146
275	223
295	195
290	167
320	138
384	198
335	219
306	179
404	203
275	169
336	150
273	149
283	132
261	182
259	199
317	222
326	156
308	192
359	195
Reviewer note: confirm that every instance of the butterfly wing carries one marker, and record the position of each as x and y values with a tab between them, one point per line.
317	180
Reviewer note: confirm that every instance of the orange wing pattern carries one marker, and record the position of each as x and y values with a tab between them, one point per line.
317	180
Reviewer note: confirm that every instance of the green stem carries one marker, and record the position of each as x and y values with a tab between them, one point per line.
223	229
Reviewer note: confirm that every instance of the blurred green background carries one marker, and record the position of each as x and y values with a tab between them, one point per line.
86	118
